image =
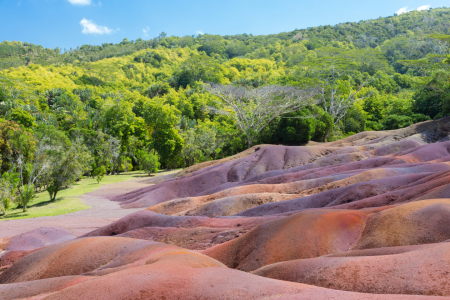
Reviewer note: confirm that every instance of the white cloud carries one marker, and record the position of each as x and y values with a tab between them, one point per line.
424	7
200	32
403	10
80	2
406	9
90	27
145	31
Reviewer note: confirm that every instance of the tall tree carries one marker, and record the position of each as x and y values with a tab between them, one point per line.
14	141
165	139
73	162
254	109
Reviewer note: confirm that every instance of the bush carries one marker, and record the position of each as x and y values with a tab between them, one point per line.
148	162
99	173
23	118
26	196
354	121
126	165
299	127
396	122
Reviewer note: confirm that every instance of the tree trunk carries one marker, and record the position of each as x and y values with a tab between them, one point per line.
54	195
326	136
249	142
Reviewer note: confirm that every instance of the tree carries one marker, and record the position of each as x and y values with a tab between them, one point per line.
23	118
99	173
119	120
200	144
433	99
300	127
148	161
199	67
73	162
29	173
354	121
254	109
9	181
26	196
14	140
395	122
443	40
161	121
190	147
337	93
50	147
383	82
110	152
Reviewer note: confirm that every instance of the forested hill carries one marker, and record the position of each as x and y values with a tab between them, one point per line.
369	33
116	107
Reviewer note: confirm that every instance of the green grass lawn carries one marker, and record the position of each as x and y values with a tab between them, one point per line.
67	200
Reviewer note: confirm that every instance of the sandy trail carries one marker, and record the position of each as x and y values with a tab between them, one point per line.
102	212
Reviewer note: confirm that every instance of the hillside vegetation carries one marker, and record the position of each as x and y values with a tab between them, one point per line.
105	109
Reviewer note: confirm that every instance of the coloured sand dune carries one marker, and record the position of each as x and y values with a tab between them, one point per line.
366	217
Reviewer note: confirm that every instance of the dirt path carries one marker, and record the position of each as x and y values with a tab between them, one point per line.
102	212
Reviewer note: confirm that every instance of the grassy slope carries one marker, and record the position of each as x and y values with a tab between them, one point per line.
67	200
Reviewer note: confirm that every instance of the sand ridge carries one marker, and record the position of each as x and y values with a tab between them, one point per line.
365	217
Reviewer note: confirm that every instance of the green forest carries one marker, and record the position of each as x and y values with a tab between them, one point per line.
172	102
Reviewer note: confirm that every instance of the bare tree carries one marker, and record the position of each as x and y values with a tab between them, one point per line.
334	101
254	109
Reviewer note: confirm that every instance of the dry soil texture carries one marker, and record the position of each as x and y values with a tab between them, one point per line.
367	217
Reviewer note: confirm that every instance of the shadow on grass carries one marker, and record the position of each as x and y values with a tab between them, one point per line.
142	175
44	203
21	213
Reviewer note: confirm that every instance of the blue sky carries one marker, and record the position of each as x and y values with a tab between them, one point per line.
72	23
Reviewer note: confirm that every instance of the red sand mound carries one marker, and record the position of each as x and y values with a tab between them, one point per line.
339	195
189	238
171	281
98	256
332	185
8	258
14	248
419	270
403	146
37	239
414	223
303	235
266	159
28	290
314	233
361	215
148	218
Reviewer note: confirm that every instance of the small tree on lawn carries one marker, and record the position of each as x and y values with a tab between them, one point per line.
100	173
30	171
27	195
149	162
254	109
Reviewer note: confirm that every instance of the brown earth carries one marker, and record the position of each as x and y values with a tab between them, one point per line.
366	217
419	270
